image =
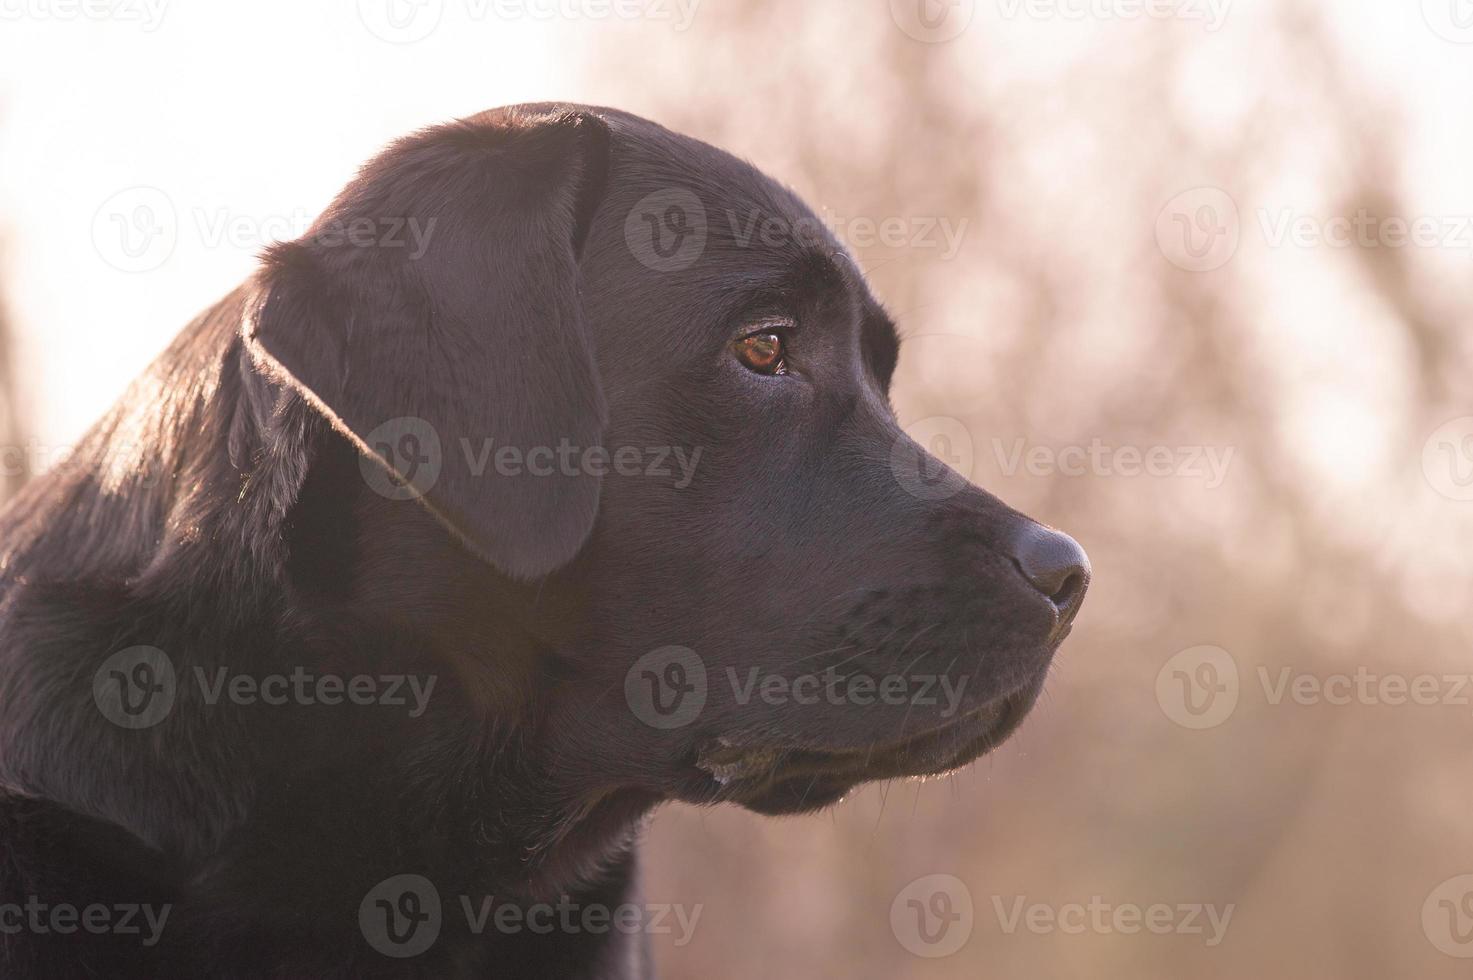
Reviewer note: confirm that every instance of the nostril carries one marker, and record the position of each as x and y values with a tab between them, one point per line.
1054	563
1073	585
1070	594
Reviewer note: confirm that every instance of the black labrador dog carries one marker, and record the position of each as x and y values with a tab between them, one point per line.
551	476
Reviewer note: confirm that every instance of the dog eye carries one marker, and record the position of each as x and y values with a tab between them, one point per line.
761	352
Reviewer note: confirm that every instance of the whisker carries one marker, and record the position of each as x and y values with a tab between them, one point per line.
917	636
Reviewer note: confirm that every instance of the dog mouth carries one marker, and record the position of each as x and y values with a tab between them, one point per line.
787	778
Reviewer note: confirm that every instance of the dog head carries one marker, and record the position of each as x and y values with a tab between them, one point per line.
628	367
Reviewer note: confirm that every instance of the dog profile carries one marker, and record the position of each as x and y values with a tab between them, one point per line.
422	567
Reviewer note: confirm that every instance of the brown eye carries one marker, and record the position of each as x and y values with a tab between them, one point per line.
761	352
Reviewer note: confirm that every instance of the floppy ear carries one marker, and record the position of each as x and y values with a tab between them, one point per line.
433	315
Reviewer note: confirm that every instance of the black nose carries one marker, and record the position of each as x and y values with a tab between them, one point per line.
1055	564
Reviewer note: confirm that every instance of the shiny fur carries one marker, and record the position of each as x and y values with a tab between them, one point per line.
221	513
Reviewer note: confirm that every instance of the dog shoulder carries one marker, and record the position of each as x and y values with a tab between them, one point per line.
78	896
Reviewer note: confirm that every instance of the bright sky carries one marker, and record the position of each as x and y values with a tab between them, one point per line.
245	120
234	124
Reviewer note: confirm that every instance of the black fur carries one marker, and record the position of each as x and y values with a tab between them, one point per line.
225	513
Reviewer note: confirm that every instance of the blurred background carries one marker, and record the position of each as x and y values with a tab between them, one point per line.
1190	279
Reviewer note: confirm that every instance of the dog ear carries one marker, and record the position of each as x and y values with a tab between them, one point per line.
433	315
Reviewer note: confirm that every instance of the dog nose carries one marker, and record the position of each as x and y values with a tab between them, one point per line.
1055	564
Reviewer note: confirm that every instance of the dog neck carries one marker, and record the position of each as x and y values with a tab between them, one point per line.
217	517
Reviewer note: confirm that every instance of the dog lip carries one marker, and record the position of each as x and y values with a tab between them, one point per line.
740	765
